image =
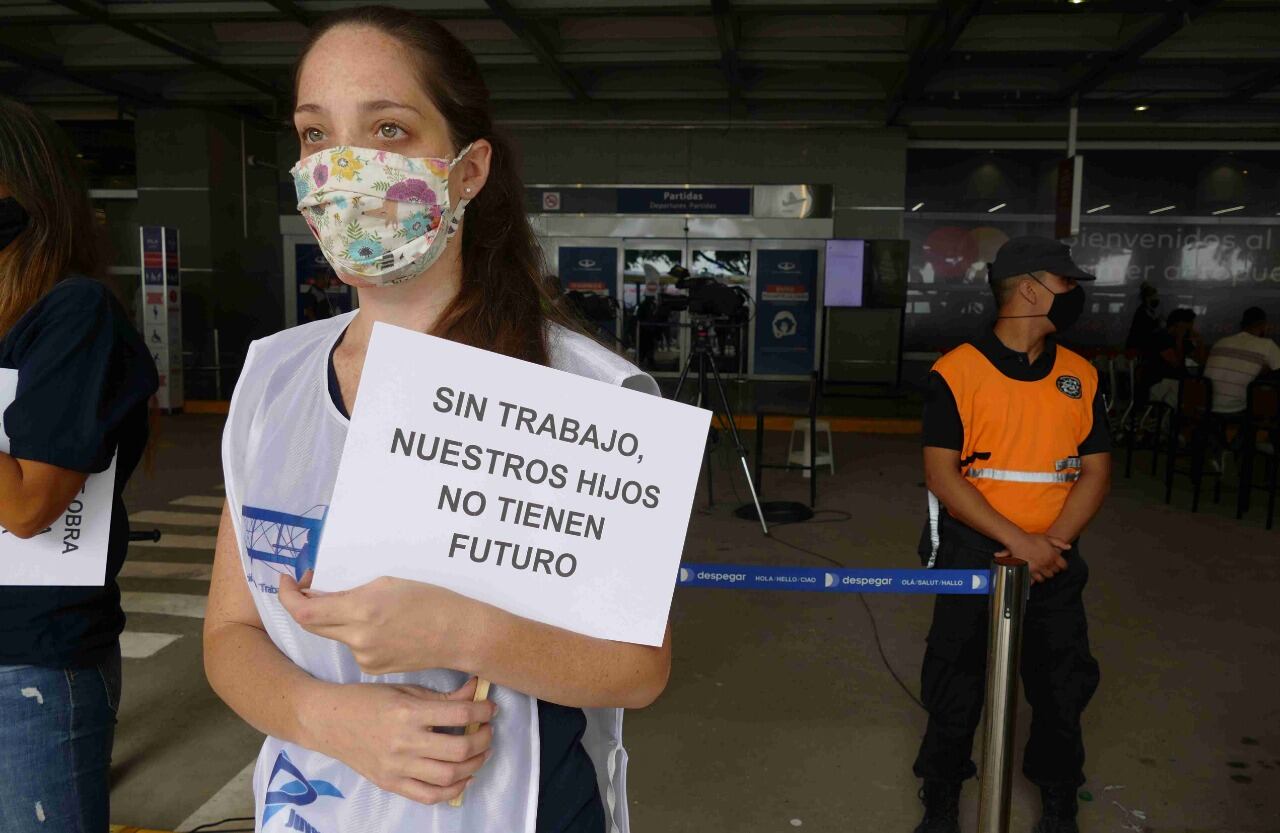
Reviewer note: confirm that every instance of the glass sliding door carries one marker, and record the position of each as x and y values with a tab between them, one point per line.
652	304
731	264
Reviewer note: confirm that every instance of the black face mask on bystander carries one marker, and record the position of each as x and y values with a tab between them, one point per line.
13	220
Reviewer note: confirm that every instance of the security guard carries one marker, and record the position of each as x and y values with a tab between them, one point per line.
1017	461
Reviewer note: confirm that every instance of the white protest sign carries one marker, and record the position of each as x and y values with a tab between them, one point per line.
557	498
71	552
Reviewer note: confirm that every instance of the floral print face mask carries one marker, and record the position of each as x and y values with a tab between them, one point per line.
377	214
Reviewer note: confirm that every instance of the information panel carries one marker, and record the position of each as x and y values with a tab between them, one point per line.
589	269
162	309
786	283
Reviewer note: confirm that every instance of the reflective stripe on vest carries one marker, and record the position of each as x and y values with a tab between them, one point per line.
1058	475
1024	476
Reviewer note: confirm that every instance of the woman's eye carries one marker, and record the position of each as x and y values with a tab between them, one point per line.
313	135
390	131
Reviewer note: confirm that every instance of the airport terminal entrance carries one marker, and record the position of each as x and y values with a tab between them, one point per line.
645	265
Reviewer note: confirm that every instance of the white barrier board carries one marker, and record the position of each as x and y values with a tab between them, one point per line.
71	552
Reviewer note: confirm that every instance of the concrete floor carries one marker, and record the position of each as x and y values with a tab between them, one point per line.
780	713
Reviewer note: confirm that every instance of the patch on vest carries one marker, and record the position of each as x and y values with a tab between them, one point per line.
1069	385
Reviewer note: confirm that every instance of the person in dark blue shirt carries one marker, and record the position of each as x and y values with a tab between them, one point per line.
85	379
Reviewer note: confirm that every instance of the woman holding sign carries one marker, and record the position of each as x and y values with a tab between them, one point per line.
363	694
83	381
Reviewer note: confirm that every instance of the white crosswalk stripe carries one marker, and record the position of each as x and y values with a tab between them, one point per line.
141	644
167	569
200	501
160	516
168	604
181	542
233	800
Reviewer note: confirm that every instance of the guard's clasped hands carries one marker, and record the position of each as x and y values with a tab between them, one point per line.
1043	554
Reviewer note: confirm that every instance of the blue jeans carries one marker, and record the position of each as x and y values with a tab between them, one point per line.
56	729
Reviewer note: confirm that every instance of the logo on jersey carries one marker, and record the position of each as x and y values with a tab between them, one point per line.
284	542
293	790
1070	385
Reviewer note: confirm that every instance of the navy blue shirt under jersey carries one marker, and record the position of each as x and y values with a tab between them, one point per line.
568	796
84	382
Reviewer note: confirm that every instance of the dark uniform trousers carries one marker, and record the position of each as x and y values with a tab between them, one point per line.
1059	675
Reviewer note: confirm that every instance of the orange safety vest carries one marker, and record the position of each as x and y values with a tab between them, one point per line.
1021	439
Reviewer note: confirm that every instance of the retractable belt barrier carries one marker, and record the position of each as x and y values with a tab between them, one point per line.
1011	586
757	577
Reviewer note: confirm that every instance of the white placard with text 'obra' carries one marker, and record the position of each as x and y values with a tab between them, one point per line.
555	497
72	551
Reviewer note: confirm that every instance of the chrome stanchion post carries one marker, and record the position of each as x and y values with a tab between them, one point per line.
1009	588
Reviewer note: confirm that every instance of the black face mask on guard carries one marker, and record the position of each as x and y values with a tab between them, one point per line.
13	221
1066	309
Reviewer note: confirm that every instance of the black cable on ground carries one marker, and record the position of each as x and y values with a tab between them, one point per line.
875	628
209	828
840	516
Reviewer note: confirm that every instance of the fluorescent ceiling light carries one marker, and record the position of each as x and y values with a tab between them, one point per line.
917	206
996	208
1141	108
1098	208
1227	210
1162	210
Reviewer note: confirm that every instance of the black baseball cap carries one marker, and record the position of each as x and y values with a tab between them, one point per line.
1023	255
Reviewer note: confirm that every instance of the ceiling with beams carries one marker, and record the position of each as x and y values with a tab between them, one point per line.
945	69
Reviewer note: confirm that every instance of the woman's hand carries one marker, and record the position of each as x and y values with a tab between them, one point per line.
394	625
390	624
384	732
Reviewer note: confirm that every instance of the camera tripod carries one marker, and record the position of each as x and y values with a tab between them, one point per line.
703	354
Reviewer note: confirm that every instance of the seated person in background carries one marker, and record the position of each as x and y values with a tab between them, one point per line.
1164	361
1238	359
1145	320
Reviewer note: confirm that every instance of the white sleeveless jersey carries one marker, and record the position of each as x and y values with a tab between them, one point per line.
280	450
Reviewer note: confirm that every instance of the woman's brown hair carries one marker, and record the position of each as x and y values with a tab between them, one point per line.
39	168
503	304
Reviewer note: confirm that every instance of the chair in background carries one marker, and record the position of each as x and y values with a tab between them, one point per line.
1120	373
1103	363
1148	430
1262	417
1192	424
788	399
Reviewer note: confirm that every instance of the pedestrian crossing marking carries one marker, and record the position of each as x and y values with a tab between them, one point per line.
183	542
167	604
167	569
200	501
160	516
141	644
234	799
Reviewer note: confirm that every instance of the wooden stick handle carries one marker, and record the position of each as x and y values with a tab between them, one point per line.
482	694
